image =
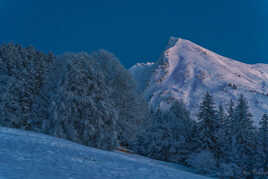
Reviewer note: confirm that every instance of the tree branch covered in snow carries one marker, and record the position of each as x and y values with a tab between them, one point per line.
87	98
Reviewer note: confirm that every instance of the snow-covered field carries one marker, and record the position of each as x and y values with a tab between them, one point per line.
36	156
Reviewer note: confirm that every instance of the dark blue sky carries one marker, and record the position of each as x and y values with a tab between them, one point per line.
138	30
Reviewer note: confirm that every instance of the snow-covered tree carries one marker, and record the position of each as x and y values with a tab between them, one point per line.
169	137
225	132
156	140
222	133
90	99
186	129
208	126
25	70
203	161
80	108
243	137
229	125
263	143
132	108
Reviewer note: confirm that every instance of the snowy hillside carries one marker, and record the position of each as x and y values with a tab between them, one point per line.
187	71
31	155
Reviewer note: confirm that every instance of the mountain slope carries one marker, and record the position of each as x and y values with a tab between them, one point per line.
31	155
186	71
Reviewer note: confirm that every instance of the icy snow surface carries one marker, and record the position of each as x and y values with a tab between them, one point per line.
35	156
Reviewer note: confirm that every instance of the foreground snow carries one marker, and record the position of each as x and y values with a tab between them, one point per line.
30	155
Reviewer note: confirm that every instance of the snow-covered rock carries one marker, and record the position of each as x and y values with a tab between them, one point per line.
143	73
31	155
186	71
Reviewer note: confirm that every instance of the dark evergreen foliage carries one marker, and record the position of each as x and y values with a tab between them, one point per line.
220	143
89	99
263	144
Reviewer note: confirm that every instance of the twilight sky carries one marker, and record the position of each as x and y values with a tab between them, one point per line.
138	30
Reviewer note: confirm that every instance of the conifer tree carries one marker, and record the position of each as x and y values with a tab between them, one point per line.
230	117
221	115
208	127
263	142
229	130
184	128
244	147
170	135
221	132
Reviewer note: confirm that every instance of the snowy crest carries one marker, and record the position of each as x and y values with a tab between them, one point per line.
186	71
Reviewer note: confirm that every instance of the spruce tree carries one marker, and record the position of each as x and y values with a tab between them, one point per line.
229	130
170	137
208	127
230	118
184	129
263	142
222	132
221	115
244	147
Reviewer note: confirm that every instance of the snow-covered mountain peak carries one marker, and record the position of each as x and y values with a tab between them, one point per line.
172	41
185	45
179	50
186	71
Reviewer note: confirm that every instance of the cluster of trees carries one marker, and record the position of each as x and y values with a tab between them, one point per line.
222	142
92	99
22	76
87	98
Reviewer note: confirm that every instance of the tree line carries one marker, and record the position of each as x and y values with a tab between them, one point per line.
223	141
86	98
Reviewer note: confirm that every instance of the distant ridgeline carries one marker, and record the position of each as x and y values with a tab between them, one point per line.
89	99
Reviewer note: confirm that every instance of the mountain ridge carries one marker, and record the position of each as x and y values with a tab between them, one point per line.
185	71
